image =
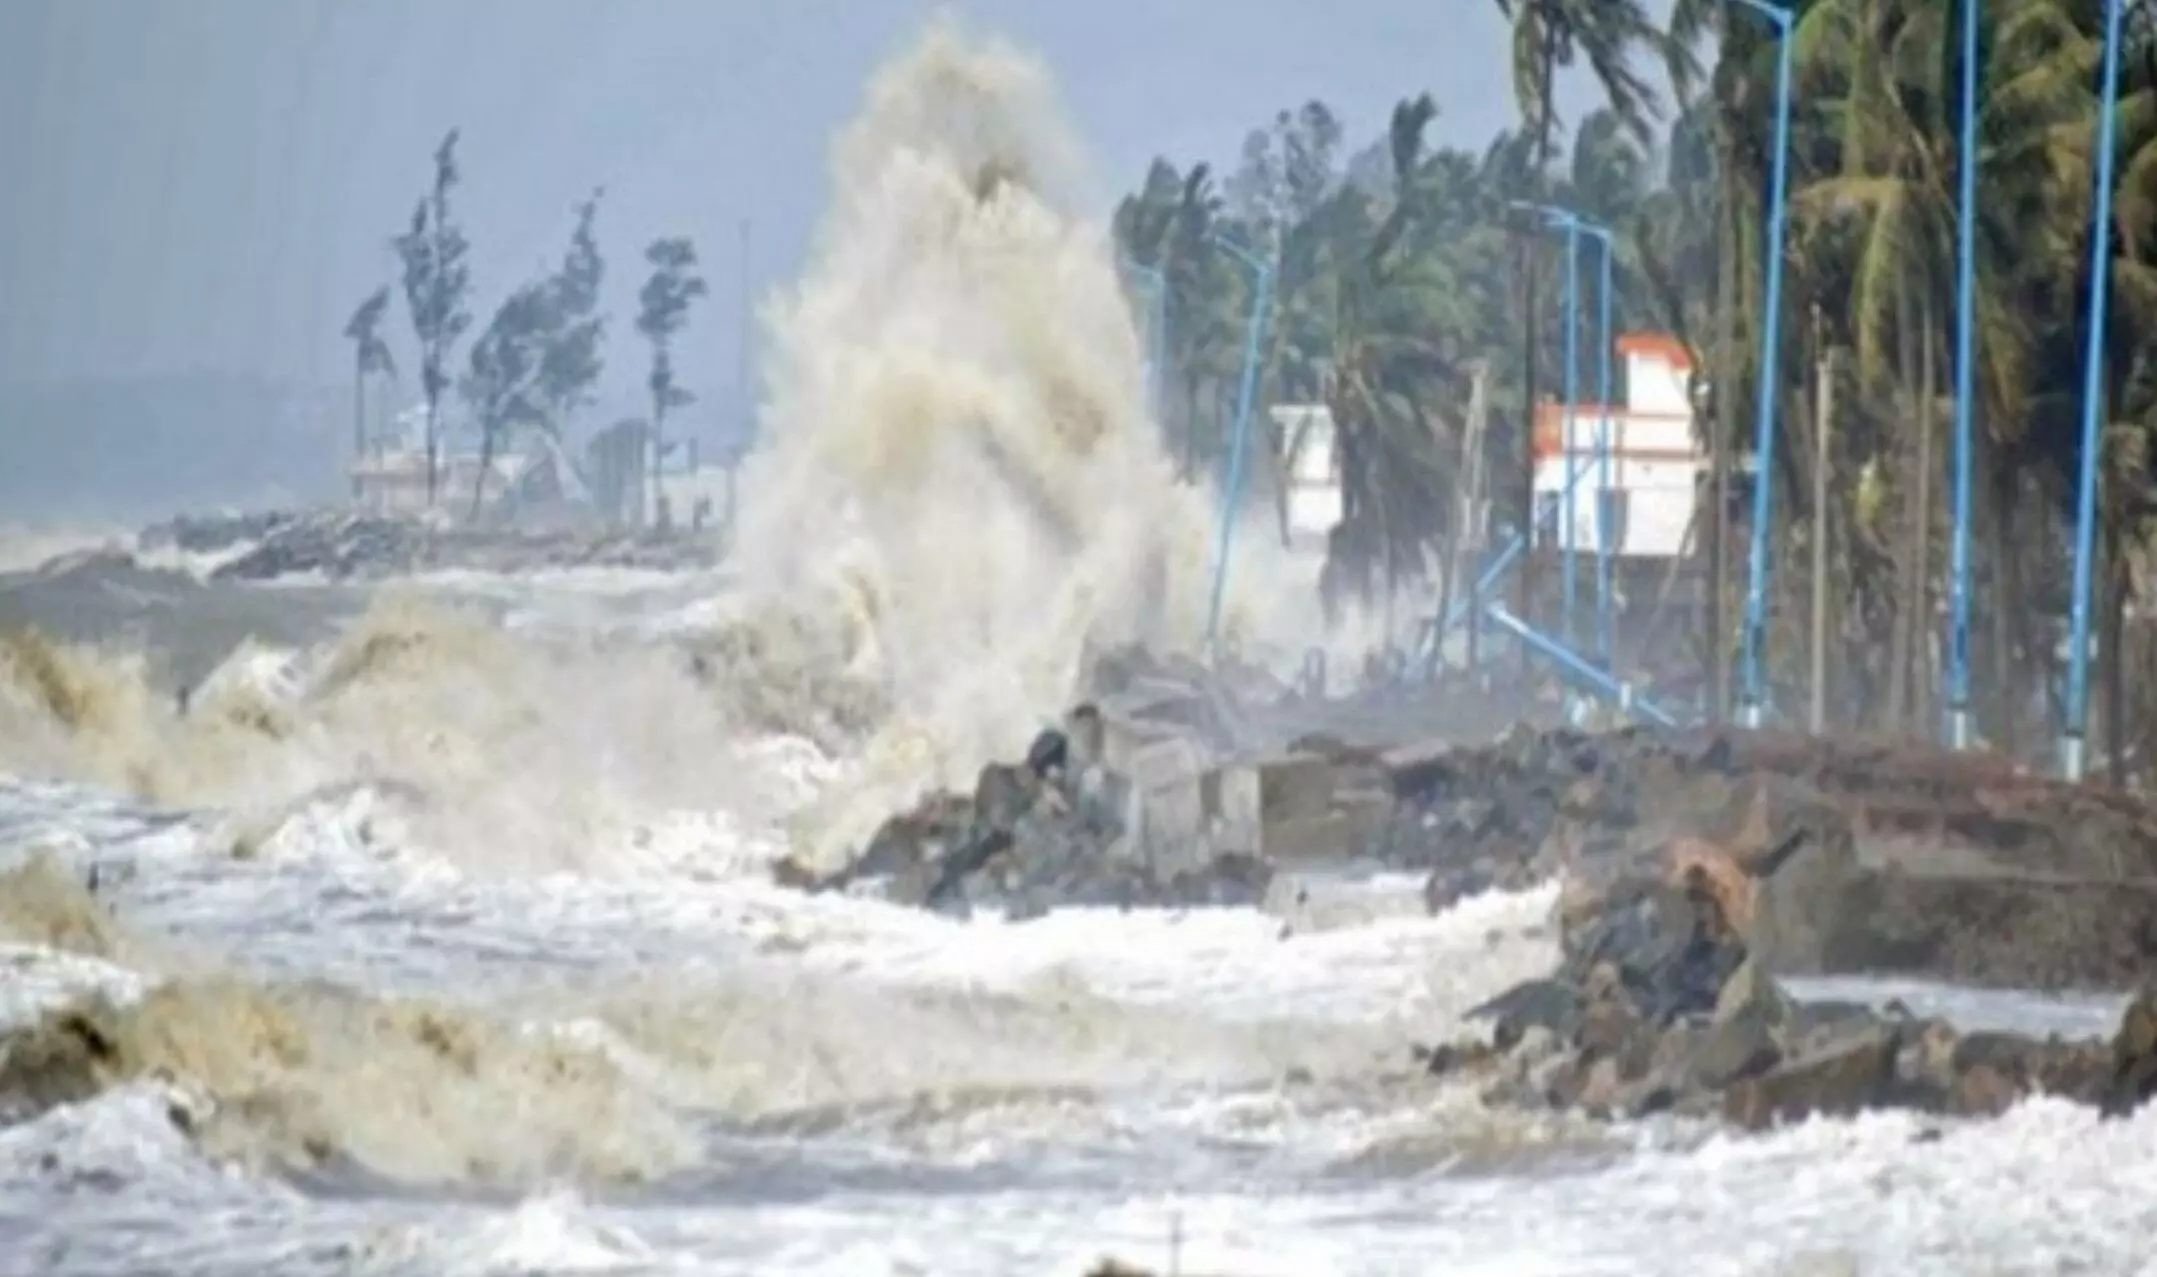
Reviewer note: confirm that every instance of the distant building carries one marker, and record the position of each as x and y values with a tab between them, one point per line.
1310	475
685	491
392	477
1655	459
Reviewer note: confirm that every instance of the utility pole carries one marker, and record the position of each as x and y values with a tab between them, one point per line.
1468	538
1824	421
1524	596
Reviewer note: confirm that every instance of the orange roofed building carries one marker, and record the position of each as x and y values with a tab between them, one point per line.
1655	458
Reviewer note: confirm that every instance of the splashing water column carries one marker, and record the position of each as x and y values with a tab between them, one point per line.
1156	333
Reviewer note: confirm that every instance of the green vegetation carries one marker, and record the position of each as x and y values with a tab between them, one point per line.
1402	270
535	364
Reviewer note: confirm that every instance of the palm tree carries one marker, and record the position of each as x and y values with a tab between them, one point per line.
1394	363
1549	36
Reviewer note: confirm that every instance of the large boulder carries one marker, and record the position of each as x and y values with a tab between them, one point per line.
1863	859
1664	999
1051	831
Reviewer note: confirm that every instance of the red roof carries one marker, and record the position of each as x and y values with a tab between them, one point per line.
1658	346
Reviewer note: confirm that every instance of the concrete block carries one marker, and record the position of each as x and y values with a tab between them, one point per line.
1299	806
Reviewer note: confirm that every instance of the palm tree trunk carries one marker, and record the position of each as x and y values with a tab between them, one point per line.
2005	597
1898	645
486	467
1190	427
654	478
1723	388
359	423
2113	652
1524	581
434	402
1546	116
1920	595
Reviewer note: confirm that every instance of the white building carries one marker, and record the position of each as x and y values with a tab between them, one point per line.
1310	471
1654	459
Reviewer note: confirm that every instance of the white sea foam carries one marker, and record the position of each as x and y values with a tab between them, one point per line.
475	902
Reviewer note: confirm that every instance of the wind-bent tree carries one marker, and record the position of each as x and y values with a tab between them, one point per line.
663	307
437	281
571	363
1381	324
536	362
370	355
502	386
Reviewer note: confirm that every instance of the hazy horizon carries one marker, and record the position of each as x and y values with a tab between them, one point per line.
205	191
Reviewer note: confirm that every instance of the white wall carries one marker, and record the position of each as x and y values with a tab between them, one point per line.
1312	471
1654	385
1654	462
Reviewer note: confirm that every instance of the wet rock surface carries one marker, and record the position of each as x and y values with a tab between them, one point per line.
1664	1001
350	546
1859	859
1697	872
1173	784
1054	830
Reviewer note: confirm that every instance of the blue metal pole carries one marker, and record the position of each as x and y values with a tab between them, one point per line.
2093	389
1578	670
1605	516
1958	634
1570	222
1568	511
1232	494
1463	608
1752	708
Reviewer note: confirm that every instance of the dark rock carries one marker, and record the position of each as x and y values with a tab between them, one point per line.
2132	1077
1839	1080
344	545
1456	1057
1863	858
1031	838
1048	756
1551	1005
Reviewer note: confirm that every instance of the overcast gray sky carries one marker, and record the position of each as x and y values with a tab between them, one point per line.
210	183
209	186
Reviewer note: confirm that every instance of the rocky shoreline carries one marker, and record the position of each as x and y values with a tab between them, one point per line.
344	546
1698	873
1662	1002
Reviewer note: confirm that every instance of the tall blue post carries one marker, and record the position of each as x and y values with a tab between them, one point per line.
2072	739
1752	706
1606	522
1239	446
1958	588
1567	509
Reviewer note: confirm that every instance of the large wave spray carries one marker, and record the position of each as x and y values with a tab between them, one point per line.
957	468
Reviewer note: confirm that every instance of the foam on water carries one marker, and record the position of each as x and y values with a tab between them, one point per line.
957	471
474	903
